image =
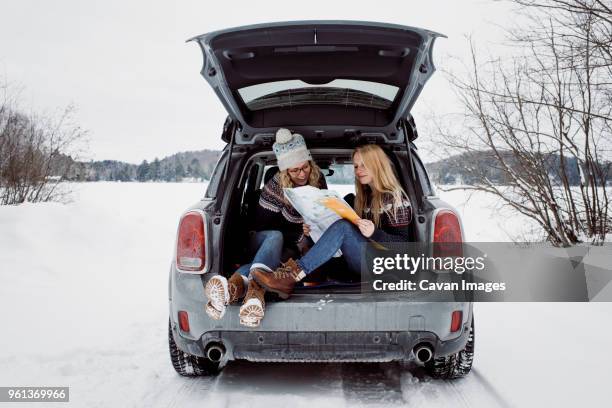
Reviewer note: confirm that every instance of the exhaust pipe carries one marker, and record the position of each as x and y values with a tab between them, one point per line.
423	353
215	352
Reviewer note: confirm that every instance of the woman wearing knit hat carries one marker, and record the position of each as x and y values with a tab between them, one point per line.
278	226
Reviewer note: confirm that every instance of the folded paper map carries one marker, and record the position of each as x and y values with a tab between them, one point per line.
341	208
319	208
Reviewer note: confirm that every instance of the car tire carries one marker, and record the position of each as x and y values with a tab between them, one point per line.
188	365
456	365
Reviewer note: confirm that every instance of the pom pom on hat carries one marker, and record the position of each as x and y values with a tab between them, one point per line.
283	136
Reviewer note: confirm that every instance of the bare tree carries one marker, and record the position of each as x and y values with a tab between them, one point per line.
34	154
542	111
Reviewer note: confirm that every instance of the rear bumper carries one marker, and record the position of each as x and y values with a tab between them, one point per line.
336	346
308	327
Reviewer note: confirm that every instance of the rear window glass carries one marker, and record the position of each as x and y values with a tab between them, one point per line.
342	179
337	92
342	174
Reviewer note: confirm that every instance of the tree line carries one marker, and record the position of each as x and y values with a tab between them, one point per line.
195	166
469	168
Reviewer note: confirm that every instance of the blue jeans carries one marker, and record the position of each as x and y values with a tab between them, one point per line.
340	235
267	247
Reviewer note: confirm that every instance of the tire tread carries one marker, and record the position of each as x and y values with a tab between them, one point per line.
188	365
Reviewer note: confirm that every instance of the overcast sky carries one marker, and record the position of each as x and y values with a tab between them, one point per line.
136	84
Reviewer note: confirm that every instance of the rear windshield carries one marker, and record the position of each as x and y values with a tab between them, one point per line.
336	175
337	92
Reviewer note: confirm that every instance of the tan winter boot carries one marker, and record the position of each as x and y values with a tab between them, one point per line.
282	280
253	307
221	292
237	287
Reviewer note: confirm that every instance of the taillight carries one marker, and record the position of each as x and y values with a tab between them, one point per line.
191	244
447	237
456	320
183	321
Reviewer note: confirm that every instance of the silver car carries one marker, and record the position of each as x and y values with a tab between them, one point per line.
339	84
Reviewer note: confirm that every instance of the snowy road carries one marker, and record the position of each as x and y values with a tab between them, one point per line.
83	296
258	385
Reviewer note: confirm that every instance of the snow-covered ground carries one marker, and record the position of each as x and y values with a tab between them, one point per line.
83	296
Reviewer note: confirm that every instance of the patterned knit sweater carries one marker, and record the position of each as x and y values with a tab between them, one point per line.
394	226
275	213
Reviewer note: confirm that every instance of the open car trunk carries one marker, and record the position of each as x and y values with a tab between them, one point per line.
332	277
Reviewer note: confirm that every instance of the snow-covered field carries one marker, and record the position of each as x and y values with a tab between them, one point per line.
83	296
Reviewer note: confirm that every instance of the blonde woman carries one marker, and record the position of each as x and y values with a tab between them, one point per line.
278	226
385	212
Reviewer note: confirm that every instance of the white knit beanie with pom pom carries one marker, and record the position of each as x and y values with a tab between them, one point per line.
290	149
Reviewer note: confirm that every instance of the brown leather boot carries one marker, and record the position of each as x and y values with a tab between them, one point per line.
253	307
236	286
217	294
221	292
282	280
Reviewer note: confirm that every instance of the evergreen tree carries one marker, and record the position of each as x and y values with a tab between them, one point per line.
179	171
142	173
168	173
196	168
156	170
122	174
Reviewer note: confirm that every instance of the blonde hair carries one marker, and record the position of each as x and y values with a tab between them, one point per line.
383	182
313	179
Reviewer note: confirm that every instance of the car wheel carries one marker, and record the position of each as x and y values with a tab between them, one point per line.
187	364
456	365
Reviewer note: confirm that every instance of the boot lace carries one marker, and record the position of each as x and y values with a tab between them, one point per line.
233	291
283	272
